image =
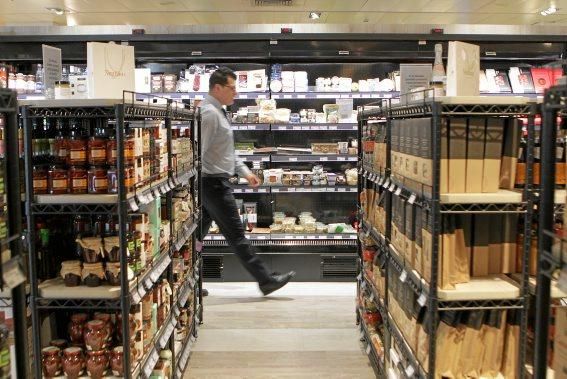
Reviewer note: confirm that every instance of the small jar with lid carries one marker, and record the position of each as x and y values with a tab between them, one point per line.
62	89
39	180
97	147
51	361
77	145
57	180
112	180
78	180
98	180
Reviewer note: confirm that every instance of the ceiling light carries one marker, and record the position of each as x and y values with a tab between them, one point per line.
314	15
548	11
57	11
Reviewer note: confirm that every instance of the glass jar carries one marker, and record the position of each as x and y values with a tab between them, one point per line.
129	146
97	147
129	177
62	89
73	362
39	180
77	145
98	180
30	84
78	180
51	361
95	335
57	180
112	180
21	85
97	362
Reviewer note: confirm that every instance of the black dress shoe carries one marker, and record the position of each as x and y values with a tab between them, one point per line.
276	282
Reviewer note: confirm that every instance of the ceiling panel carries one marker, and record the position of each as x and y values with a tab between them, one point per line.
148	18
153	5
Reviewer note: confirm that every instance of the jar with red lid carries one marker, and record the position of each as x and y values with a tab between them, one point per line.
73	362
77	144
39	180
57	180
97	363
95	335
51	361
97	147
78	180
98	180
112	180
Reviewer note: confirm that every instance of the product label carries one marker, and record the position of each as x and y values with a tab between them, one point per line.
40	184
101	183
78	155
59	183
98	153
62	153
79	183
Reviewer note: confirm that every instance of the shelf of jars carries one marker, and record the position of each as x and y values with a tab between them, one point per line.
185	349
293	189
346	126
314	158
333	95
201	95
159	342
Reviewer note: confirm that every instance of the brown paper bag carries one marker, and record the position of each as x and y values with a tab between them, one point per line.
447	256
512	136
493	333
495	245
509	366
473	350
463	246
510	230
480	250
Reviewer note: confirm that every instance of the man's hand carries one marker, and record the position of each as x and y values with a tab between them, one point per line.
253	180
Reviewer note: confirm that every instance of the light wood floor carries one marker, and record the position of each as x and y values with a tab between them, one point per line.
305	330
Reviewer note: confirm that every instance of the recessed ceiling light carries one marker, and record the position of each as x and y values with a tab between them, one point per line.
548	11
57	11
315	15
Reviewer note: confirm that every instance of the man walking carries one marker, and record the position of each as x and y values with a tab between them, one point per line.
219	163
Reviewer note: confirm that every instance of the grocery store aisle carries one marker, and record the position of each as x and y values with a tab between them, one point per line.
305	330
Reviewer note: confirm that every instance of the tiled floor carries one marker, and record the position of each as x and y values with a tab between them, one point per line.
305	330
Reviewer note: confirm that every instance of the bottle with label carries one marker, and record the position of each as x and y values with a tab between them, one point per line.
521	164
438	73
537	161
77	144
37	140
61	141
39	79
50	132
43	254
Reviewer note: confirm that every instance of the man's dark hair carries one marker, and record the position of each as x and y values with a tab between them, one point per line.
220	76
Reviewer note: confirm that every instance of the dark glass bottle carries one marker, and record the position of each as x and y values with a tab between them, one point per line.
44	271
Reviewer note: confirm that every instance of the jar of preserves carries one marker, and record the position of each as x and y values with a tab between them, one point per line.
51	361
97	147
129	146
57	180
77	145
73	362
112	180
111	150
76	328
109	326
95	335
78	180
62	89
98	180
61	142
129	178
39	180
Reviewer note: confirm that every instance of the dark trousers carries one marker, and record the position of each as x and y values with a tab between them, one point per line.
219	206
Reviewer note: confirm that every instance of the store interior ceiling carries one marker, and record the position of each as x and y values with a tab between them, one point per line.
218	12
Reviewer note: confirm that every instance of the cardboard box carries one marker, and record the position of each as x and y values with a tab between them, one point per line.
511	141
457	155
480	254
492	154
463	69
110	69
475	154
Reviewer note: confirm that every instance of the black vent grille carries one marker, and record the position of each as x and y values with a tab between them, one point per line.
338	267
268	3
212	266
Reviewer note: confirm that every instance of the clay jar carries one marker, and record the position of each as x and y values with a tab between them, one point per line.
76	328
95	335
51	361
119	326
73	362
97	363
109	326
117	361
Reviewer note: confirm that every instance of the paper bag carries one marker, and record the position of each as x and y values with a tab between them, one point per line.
110	69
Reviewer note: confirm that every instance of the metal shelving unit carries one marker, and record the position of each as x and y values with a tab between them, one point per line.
49	295
11	272
551	248
428	296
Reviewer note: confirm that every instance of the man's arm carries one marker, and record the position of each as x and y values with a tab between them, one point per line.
209	125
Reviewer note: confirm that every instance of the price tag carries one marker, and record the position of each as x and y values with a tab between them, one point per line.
261	237
392	187
171	183
262	190
148	283
133	205
398	191
156	193
359	276
412	198
287	96
242	96
380	181
422	299
368	349
410	371
340	159
13	274
291	190
315	128
136	297
333	127
403	276
338	237
386	183
301	96
323	159
149	197
297	128
341	189
292	159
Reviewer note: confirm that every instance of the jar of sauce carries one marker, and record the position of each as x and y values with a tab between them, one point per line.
98	180
78	180
97	147
57	180
39	180
111	150
112	180
129	146
129	178
61	142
